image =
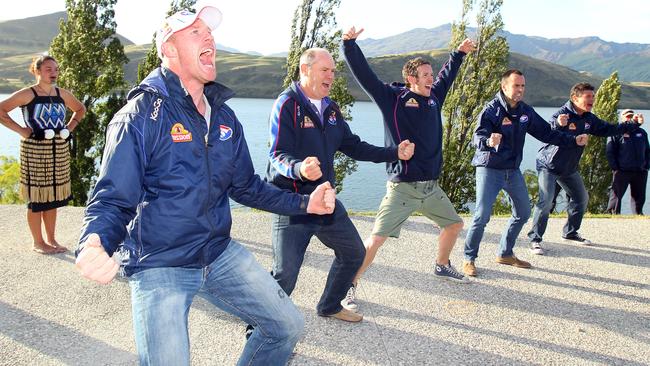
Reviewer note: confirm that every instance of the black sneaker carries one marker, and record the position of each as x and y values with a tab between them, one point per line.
249	331
448	272
578	240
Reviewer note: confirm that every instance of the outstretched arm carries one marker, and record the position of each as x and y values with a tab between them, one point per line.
449	70
377	89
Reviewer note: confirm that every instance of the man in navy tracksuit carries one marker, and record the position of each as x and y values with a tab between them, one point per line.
174	155
559	164
306	129
412	112
629	158
499	139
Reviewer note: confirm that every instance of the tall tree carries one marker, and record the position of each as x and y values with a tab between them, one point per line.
476	83
314	25
91	60
594	166
151	60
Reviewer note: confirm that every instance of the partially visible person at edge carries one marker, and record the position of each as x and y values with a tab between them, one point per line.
629	158
174	155
44	149
306	129
499	139
411	111
559	164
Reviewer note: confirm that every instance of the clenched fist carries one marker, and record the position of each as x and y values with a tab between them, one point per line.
494	140
94	263
310	168
581	140
405	150
322	200
563	119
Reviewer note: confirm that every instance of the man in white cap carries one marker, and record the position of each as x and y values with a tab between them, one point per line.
629	157
174	155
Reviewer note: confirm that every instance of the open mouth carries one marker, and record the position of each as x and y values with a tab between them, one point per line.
206	57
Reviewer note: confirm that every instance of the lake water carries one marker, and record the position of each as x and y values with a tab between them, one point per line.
364	189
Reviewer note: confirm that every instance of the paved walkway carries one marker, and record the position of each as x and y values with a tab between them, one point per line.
577	306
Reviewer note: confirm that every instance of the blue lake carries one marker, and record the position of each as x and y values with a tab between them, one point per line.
364	189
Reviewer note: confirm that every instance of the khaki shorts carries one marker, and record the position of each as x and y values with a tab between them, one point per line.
404	198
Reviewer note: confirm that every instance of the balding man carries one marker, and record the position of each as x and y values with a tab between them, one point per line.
306	129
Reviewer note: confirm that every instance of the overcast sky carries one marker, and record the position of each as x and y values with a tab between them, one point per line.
264	25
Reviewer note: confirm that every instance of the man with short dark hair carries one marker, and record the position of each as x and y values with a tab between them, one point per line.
175	154
559	164
411	111
499	139
629	157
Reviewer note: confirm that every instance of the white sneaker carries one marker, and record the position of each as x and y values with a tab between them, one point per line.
536	248
349	302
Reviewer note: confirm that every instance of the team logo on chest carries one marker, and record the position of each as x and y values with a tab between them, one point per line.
332	119
180	134
523	118
587	126
432	103
572	126
307	123
506	121
225	132
412	103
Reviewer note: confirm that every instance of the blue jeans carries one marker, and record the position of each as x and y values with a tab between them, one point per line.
576	207
291	236
235	283
488	184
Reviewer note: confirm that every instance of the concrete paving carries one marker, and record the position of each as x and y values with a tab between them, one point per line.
577	305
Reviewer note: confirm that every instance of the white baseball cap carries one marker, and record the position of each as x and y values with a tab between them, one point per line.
210	15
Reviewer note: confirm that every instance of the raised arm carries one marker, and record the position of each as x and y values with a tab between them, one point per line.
361	70
449	70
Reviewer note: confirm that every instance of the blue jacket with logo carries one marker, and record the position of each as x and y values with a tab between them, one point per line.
629	152
163	189
512	124
564	160
297	131
408	115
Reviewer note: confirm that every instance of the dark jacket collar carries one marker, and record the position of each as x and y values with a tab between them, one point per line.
501	98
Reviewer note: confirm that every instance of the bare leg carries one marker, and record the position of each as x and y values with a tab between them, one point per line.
448	236
49	219
34	222
372	245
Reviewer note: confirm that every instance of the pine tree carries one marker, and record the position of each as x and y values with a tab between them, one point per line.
315	26
151	61
476	83
91	60
594	168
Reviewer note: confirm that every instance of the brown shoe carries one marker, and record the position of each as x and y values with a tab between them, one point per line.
513	261
347	316
469	268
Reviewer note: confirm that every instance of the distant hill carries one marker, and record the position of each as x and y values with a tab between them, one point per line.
261	76
33	35
252	76
591	54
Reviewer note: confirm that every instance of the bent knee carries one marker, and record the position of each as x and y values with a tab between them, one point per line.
289	326
455	227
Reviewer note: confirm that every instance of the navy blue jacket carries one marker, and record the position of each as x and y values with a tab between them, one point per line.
162	193
564	160
512	124
297	131
629	152
408	115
